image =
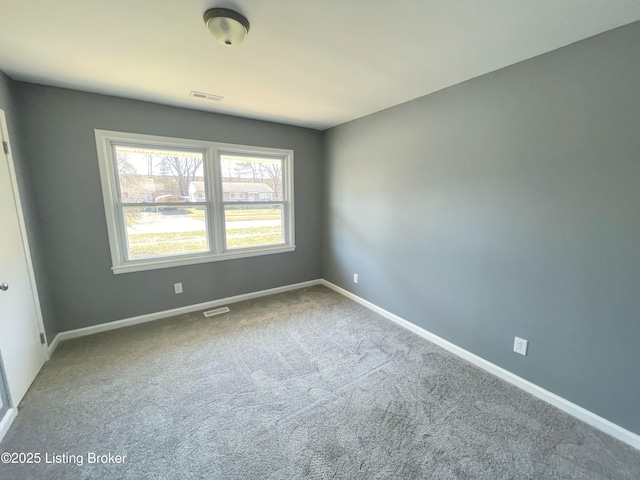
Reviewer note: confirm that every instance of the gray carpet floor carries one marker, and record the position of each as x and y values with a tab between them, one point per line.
305	384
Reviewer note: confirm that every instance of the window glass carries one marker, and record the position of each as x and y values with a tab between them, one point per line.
171	201
155	175
253	225
256	179
162	231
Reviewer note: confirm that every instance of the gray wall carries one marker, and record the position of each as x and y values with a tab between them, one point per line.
59	130
507	205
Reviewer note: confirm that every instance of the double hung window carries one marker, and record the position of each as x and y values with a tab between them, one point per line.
172	201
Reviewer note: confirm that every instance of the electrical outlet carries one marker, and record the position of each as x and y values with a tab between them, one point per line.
355	278
520	346
177	287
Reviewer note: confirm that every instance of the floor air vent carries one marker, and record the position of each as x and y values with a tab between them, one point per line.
206	96
217	311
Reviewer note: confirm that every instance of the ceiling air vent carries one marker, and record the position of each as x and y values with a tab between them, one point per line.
205	96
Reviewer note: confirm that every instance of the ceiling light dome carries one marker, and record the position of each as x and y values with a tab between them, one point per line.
227	27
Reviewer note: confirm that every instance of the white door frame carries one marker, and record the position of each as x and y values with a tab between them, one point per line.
25	241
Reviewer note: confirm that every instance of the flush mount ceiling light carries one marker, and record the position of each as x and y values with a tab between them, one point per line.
227	27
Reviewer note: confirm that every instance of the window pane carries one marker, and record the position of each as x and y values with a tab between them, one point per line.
251	179
165	231
157	175
253	226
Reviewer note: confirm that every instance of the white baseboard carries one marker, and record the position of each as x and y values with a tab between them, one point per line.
103	327
586	416
53	345
6	422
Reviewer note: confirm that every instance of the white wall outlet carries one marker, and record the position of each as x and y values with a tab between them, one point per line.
355	278
177	287
520	346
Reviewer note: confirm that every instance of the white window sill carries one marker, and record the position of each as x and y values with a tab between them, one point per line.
153	264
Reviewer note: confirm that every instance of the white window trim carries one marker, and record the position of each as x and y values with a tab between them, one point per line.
212	150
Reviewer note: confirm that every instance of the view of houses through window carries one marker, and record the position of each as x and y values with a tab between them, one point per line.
246	183
166	205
